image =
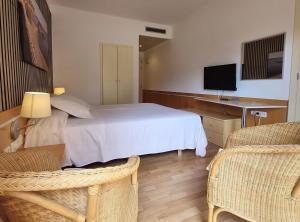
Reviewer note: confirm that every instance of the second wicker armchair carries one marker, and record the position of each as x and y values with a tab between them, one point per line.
257	176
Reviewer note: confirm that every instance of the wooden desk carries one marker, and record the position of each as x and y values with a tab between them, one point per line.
242	105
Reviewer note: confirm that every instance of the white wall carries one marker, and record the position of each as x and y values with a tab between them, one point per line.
77	36
214	36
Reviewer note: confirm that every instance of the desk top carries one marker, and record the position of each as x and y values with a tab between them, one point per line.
213	115
239	104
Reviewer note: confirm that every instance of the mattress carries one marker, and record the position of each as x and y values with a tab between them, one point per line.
121	131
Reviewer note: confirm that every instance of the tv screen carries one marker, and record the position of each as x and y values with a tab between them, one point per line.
220	77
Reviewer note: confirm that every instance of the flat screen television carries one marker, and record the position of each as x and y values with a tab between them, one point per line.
220	77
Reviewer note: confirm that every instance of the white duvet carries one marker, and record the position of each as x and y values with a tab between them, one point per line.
121	131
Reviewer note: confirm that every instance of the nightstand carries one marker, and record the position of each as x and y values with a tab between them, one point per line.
57	150
217	126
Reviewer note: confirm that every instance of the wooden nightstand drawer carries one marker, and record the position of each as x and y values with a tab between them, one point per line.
214	125
57	150
218	130
215	138
217	126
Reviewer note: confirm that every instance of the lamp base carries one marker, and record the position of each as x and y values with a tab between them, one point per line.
15	129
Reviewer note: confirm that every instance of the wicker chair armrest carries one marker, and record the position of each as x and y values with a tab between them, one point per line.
275	134
29	160
256	149
59	180
296	190
48	204
253	157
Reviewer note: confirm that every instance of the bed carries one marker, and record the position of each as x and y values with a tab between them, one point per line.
122	131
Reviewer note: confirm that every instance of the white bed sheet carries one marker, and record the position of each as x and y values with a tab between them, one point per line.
121	131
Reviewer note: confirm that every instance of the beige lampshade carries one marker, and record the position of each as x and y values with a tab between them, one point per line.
36	105
59	91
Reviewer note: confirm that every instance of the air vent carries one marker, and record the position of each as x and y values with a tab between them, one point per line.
156	30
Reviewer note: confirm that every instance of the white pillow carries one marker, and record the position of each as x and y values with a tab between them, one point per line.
74	106
75	99
15	145
46	131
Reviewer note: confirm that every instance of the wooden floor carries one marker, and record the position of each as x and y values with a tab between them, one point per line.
174	190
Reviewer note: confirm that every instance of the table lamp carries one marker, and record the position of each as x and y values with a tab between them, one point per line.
59	91
35	105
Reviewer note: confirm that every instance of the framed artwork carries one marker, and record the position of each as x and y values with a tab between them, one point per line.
34	35
263	58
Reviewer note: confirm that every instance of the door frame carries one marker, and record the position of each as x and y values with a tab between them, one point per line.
294	98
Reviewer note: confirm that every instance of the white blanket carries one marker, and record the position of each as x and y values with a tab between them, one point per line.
46	131
121	131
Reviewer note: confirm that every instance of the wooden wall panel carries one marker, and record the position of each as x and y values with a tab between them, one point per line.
16	76
179	100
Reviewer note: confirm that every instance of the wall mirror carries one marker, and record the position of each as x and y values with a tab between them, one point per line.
263	58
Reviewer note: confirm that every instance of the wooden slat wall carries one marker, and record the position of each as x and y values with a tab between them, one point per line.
256	56
16	76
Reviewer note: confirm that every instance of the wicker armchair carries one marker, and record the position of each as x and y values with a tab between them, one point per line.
34	189
257	176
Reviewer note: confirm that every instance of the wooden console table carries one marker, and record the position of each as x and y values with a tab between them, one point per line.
242	105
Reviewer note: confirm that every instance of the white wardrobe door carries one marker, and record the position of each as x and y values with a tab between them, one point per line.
125	70
109	74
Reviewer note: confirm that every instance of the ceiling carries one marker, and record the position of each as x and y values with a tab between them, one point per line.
147	42
157	11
